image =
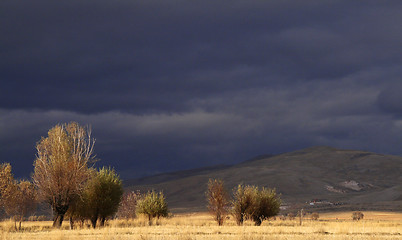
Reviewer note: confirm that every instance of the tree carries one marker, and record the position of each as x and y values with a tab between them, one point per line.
128	205
266	204
62	166
242	202
78	211
218	200
153	205
102	195
21	201
18	198
6	180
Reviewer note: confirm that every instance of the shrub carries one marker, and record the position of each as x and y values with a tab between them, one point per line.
153	205
266	204
251	203
315	216
102	195
291	216
356	216
242	202
41	218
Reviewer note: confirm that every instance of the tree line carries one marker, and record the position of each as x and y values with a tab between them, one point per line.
66	179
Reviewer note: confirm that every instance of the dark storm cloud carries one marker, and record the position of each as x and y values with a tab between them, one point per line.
128	55
177	84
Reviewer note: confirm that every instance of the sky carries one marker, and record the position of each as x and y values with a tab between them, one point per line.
173	85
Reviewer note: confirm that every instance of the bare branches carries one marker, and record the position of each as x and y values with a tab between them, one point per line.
218	200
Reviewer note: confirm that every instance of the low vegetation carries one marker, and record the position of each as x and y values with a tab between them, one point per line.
200	226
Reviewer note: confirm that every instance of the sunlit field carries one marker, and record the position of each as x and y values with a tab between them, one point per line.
376	225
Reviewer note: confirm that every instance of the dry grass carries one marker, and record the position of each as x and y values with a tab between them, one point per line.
376	225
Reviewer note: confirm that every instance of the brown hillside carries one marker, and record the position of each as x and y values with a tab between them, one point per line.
347	177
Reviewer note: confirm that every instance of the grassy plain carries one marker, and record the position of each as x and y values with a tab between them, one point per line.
335	226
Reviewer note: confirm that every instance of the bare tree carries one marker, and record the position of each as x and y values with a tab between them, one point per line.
61	166
218	200
128	205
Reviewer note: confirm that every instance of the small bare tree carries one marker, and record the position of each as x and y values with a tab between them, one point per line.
61	166
128	205
218	200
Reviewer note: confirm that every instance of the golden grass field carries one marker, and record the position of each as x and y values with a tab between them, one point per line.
376	225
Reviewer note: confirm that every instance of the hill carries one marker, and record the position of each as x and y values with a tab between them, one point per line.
317	177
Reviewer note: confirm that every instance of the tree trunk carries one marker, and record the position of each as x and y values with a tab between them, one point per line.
93	220
58	213
240	220
58	220
301	217
102	222
71	223
19	227
257	221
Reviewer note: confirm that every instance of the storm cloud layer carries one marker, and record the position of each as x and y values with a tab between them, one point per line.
170	85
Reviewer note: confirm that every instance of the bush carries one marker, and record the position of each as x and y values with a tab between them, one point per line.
356	216
41	218
258	205
100	198
315	216
242	202
291	216
266	204
153	205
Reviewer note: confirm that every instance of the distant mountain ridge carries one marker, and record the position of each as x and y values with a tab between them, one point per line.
350	178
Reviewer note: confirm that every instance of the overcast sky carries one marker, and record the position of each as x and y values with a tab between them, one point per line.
171	85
